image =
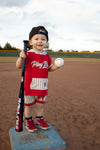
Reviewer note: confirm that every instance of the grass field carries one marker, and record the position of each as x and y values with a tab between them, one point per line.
10	53
13	59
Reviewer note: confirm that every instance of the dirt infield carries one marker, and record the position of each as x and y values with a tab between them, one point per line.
73	103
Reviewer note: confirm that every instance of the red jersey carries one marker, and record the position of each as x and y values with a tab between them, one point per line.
36	73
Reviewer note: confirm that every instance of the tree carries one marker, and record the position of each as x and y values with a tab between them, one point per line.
60	50
7	46
14	48
47	46
67	51
0	47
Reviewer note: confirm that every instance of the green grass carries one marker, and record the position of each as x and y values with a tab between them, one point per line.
13	59
54	54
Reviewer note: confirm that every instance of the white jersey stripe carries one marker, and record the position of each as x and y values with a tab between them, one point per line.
39	84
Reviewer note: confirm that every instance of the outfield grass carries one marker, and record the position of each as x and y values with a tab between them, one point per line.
13	59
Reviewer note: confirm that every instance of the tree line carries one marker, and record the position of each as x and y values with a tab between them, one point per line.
8	46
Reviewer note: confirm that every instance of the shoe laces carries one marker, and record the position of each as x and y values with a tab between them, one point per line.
30	122
42	121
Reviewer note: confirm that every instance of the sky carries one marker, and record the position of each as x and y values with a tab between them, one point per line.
72	24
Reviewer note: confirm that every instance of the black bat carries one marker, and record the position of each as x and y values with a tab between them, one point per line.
20	105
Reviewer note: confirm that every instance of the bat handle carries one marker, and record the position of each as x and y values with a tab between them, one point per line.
24	60
25	46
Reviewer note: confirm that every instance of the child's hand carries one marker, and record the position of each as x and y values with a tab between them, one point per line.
22	54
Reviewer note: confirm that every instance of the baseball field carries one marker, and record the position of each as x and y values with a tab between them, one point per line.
72	107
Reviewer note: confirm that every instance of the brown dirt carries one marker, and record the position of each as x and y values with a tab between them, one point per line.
73	103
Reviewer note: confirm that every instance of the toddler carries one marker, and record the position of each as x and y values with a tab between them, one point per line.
38	63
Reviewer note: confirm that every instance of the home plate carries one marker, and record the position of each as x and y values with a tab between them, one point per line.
39	140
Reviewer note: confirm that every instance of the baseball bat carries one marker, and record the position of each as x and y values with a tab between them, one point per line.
20	105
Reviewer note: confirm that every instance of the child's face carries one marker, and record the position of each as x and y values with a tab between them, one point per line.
38	42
